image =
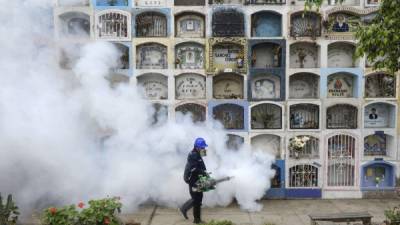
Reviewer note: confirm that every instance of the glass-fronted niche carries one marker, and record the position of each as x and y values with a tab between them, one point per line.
341	54
189	55
378	174
189	2
380	115
266	24
116	79
189	25
303	86
112	2
266	55
269	143
310	149
341	116
304	55
380	85
196	112
266	116
305	24
151	24
265	86
151	56
74	24
113	25
342	85
154	86
230	115
304	116
190	86
303	176
341	160
342	22
228	86
379	144
234	142
228	22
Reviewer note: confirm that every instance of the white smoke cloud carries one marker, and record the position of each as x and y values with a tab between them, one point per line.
66	137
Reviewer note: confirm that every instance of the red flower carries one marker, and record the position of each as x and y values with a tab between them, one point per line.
106	220
81	205
53	210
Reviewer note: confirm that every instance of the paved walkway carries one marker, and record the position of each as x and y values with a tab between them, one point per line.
279	212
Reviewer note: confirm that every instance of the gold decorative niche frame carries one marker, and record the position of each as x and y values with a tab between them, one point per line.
226	40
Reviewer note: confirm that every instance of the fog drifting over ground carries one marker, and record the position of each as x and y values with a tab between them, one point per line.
70	137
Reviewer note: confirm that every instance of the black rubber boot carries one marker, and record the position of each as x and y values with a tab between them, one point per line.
197	214
185	207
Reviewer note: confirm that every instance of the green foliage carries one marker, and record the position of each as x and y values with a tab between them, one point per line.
269	223
393	216
380	40
8	211
99	212
222	222
310	4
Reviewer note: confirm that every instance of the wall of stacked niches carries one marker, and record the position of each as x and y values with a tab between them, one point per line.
265	69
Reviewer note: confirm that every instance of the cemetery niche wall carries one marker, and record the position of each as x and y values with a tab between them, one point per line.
155	86
304	55
341	116
197	112
228	22
227	55
266	24
341	54
228	86
305	24
230	115
304	86
189	55
342	85
304	116
189	25
113	25
380	115
266	116
151	24
190	86
380	85
151	56
74	24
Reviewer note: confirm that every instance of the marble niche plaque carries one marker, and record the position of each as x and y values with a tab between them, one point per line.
228	86
304	55
197	112
340	86
304	85
266	87
230	115
151	56
190	86
190	26
341	55
189	56
226	56
377	115
155	86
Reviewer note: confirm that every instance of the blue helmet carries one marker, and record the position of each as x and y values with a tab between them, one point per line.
200	143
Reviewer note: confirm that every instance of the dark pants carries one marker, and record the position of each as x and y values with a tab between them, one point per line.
195	202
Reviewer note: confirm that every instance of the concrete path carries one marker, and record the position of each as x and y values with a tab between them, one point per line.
279	212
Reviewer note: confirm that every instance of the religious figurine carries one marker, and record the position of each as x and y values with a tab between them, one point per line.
240	60
340	25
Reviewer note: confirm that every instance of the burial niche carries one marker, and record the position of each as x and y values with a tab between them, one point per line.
380	85
75	24
305	24
341	116
341	55
230	115
341	85
151	56
266	116
266	87
151	24
379	115
189	25
303	86
304	116
155	86
228	22
189	55
266	55
304	55
197	112
266	24
190	86
228	86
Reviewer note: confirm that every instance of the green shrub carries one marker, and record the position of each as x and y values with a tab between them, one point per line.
99	212
222	222
8	211
393	216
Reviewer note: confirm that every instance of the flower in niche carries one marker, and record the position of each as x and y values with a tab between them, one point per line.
53	210
81	205
106	220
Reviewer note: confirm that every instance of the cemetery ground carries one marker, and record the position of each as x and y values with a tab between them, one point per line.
277	212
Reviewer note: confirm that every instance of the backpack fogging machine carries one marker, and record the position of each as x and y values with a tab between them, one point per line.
207	183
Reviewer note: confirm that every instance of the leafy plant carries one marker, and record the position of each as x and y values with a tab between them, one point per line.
99	212
393	216
8	211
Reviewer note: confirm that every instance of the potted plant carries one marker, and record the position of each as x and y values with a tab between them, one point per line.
297	144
